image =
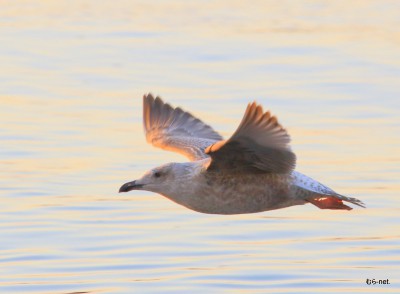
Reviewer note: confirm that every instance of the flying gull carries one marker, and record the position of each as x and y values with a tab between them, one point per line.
252	171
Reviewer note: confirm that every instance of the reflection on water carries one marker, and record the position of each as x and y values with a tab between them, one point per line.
72	78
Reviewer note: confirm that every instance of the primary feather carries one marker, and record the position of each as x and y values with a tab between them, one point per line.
176	130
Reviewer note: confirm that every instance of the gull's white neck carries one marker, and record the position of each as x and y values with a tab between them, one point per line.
183	184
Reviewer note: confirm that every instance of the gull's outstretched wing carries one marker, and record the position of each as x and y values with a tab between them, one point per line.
259	145
176	130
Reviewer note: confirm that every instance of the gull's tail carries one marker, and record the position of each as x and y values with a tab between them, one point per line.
320	195
334	201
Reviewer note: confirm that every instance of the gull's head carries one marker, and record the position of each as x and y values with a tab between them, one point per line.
159	179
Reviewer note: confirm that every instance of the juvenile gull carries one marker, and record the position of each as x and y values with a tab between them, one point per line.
252	171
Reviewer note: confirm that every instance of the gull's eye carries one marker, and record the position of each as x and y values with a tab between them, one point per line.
157	174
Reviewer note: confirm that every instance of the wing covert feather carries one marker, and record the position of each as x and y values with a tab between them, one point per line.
259	145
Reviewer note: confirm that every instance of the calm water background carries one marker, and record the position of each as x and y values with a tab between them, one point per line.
71	80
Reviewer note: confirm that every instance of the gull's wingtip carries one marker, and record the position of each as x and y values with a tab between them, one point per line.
148	97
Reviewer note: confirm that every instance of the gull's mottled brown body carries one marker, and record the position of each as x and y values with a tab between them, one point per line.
221	193
252	171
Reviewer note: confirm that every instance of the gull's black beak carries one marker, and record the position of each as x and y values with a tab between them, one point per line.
130	186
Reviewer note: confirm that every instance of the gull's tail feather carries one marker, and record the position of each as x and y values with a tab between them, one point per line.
333	201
